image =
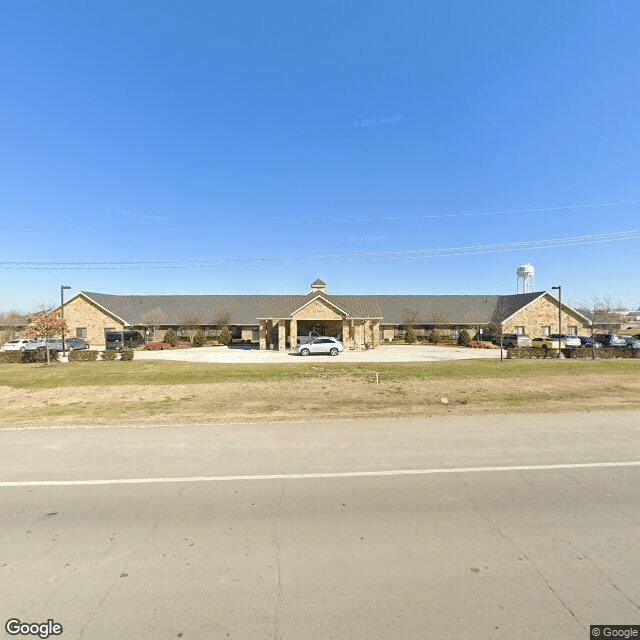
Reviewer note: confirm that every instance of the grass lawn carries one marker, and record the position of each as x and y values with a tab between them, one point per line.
164	391
83	374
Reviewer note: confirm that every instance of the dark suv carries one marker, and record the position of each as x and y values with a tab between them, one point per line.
123	340
611	340
514	340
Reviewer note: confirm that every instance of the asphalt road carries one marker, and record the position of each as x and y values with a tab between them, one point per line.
492	527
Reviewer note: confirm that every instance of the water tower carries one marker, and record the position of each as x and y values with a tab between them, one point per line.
525	280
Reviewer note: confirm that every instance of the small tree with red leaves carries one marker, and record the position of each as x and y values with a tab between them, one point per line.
45	324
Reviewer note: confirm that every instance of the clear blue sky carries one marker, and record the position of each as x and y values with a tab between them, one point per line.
160	131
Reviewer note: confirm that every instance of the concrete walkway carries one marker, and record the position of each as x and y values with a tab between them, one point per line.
384	353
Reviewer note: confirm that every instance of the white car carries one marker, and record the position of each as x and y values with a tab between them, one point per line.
323	344
16	345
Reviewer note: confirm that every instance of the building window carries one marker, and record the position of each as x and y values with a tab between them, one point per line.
81	332
520	331
545	331
110	330
573	329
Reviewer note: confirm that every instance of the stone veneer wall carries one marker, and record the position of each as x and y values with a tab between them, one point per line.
543	312
246	333
317	310
79	312
388	332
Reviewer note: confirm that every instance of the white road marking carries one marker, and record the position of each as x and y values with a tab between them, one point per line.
310	476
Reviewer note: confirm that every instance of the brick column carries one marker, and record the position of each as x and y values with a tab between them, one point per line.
376	333
293	333
345	333
352	334
357	335
263	334
282	336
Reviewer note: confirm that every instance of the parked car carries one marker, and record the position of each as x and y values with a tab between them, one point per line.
323	344
632	342
610	340
122	340
545	343
514	340
69	344
567	340
16	345
588	341
76	343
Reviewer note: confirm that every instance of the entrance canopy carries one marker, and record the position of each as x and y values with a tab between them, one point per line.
285	320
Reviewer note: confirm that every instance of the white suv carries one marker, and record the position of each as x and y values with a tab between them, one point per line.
323	344
16	345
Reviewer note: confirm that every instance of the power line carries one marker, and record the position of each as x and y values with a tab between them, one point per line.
526	245
323	219
464	214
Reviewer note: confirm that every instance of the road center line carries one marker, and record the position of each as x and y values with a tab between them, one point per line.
310	476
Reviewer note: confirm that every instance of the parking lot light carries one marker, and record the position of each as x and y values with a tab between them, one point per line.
559	288
62	288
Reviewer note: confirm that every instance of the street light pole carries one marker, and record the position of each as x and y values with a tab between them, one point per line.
559	288
62	288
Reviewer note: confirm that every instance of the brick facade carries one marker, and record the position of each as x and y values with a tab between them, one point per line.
543	312
81	313
357	329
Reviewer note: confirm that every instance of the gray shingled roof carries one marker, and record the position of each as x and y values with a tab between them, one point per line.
246	310
132	309
354	306
453	309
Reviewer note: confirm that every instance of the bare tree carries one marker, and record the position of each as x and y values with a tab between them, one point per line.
496	325
438	319
222	318
153	319
191	322
9	323
476	320
411	318
604	316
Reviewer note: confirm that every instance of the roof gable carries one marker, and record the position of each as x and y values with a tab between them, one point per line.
326	299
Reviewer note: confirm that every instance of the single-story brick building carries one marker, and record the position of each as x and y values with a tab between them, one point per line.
279	321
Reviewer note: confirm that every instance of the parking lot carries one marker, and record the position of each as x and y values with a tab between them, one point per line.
384	353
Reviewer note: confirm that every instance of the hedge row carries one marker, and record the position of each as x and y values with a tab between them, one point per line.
604	353
83	355
77	355
10	356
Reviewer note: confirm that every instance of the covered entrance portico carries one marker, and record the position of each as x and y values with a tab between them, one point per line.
286	322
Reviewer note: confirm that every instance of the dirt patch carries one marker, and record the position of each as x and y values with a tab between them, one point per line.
326	399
